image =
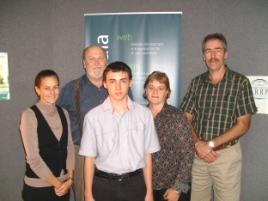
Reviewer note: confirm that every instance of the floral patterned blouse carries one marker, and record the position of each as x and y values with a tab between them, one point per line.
172	165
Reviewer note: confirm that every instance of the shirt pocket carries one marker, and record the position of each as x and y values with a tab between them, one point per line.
229	100
203	105
136	136
106	142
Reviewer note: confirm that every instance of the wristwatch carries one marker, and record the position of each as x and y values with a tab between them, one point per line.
211	144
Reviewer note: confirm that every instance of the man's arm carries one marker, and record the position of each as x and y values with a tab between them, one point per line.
245	108
147	171
89	169
239	129
202	149
189	117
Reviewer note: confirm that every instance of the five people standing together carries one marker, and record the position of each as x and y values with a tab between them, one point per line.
117	142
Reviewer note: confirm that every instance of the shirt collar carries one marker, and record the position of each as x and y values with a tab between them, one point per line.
48	109
107	104
227	75
85	80
164	109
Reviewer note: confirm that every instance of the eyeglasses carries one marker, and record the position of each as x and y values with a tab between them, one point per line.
216	51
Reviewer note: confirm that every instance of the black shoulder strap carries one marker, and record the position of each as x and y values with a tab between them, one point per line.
77	103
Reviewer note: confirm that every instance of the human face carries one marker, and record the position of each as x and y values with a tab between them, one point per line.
214	55
117	85
156	93
48	91
95	63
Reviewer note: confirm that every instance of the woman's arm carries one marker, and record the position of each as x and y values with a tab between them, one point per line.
28	130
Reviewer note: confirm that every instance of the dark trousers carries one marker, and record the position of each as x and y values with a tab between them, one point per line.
42	194
159	195
128	189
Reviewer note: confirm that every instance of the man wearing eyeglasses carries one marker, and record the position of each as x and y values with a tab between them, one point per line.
219	105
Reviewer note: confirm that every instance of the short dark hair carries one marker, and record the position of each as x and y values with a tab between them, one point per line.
43	74
160	77
213	36
117	66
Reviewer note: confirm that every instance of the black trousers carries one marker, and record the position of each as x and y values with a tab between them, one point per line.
159	195
128	189
42	194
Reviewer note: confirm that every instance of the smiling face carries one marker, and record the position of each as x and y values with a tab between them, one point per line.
117	85
156	93
48	90
214	55
94	62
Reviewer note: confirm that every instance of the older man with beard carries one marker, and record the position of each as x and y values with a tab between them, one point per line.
78	97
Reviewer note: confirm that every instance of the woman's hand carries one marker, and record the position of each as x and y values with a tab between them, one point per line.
64	187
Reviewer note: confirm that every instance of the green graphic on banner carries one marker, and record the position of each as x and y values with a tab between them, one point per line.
4	84
145	41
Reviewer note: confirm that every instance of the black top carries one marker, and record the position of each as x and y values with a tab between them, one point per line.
51	150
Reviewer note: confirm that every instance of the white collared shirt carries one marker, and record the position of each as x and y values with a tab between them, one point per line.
119	144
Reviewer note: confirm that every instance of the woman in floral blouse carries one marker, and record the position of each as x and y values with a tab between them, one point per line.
173	163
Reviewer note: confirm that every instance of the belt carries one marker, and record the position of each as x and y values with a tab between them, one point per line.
224	146
117	177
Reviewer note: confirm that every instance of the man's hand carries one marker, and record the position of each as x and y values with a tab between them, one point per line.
171	195
210	157
205	152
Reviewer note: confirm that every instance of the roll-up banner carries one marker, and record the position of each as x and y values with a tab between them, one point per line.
145	41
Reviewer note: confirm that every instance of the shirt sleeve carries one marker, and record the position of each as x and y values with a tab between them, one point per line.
151	139
66	96
28	130
186	153
70	146
88	146
67	101
246	104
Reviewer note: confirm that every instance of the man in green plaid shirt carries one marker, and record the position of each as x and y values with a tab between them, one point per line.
218	105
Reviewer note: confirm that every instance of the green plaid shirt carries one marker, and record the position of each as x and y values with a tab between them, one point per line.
216	107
